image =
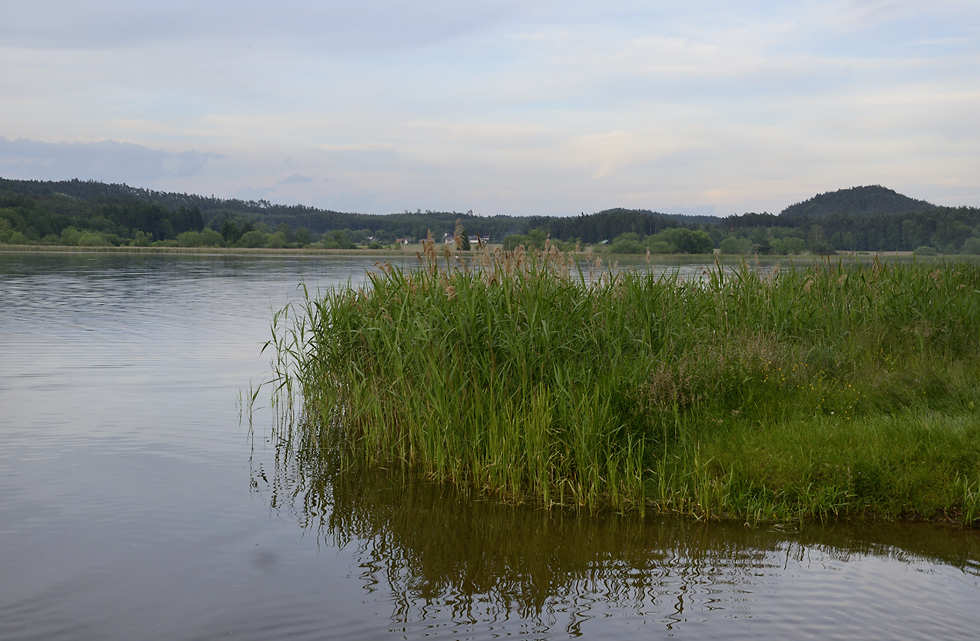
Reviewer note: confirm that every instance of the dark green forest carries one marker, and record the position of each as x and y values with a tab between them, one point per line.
857	201
90	213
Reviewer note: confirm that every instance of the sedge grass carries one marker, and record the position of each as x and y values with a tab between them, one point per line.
810	392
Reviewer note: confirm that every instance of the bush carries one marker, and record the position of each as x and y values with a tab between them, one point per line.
70	236
627	246
276	240
303	236
971	246
231	232
822	248
337	239
92	239
925	250
190	239
788	245
687	241
513	241
142	239
17	238
252	239
735	246
211	238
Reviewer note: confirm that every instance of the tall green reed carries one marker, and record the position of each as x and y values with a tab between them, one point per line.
531	377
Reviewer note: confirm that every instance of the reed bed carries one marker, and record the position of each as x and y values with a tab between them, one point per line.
825	390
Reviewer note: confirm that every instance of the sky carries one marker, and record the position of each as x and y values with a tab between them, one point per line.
536	107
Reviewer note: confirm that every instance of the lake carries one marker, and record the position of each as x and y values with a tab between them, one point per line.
135	503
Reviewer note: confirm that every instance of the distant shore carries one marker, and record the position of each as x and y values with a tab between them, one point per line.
411	250
408	250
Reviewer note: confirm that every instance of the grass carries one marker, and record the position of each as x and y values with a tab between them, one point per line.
828	390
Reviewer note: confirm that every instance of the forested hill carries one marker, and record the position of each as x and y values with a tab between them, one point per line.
78	212
873	200
44	208
92	191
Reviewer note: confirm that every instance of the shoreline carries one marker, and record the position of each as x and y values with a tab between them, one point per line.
410	250
197	251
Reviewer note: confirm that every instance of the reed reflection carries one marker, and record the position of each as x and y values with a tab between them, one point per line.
437	553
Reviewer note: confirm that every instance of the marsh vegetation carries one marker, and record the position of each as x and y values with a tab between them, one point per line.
809	392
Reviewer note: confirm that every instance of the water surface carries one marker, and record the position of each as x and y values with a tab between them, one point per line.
135	505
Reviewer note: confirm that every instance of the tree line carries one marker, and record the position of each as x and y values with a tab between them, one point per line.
93	213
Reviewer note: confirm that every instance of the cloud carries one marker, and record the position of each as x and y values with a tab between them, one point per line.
696	210
545	106
254	193
107	161
295	178
325	25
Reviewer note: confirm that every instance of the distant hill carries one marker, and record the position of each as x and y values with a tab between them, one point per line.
686	219
88	199
873	200
75	212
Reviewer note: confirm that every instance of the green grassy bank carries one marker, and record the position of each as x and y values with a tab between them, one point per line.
825	390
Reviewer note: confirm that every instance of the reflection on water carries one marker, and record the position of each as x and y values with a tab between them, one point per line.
451	560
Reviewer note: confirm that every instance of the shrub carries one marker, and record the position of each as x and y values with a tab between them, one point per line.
70	236
337	239
92	239
142	239
276	240
17	238
190	239
627	246
211	238
687	241
252	239
735	246
303	236
971	246
513	241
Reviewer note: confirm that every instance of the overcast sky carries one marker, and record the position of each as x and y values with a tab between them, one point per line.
530	107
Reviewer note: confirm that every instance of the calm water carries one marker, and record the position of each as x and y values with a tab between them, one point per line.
135	505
